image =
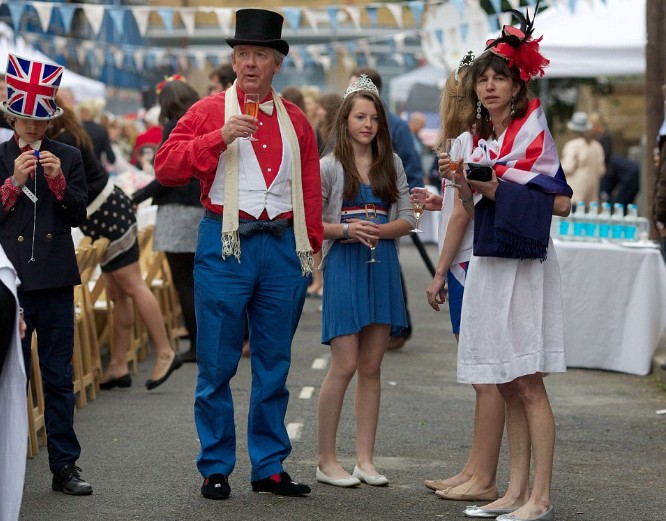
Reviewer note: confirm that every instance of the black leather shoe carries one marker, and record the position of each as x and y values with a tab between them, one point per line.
175	364
69	481
122	381
216	487
285	487
189	357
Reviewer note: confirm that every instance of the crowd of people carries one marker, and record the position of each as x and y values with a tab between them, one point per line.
258	211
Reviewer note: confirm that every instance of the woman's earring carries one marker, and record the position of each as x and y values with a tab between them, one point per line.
513	106
478	109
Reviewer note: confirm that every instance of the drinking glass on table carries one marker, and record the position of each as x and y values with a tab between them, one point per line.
418	198
371	215
454	149
252	109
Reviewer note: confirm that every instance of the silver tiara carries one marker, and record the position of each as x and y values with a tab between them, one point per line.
363	83
465	62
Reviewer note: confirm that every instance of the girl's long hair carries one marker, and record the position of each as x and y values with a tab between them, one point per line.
489	60
383	175
452	108
69	122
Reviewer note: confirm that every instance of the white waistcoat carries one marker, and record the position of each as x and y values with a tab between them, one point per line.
253	196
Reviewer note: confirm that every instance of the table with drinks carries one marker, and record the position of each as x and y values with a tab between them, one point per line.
613	289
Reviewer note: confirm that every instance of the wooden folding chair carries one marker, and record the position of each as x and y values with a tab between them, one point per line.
36	424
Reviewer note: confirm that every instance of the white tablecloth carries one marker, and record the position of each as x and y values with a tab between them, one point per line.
614	305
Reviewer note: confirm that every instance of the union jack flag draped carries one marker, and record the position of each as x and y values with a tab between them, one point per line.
32	87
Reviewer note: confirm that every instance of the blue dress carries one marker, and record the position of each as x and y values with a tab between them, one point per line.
358	294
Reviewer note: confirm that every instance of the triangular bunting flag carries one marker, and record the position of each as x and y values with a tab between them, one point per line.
139	56
460	6
16	12
117	15
44	10
67	14
497	5
188	17
572	6
333	17
396	11
464	28
417	11
141	17
312	20
94	15
293	17
372	14
355	16
166	15
224	17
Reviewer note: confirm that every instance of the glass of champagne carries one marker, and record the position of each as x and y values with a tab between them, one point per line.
371	215
418	198
454	150
252	109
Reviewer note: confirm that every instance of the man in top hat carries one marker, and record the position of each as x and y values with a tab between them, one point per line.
261	226
43	194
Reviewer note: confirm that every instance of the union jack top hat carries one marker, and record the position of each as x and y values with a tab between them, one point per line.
31	89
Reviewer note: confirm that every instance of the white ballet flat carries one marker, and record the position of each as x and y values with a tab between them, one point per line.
548	515
348	482
474	511
378	480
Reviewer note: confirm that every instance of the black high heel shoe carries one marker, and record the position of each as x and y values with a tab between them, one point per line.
122	381
175	364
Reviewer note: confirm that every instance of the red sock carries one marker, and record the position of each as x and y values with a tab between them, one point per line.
275	477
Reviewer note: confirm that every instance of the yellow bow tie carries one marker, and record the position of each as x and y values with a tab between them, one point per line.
34	145
267	107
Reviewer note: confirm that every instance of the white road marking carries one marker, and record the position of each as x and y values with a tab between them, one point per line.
294	431
306	393
320	363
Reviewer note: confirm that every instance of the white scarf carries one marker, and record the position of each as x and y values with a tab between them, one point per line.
230	237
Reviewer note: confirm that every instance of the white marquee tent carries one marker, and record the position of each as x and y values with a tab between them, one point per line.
82	87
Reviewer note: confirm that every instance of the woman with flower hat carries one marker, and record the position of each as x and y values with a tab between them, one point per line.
363	301
43	194
512	331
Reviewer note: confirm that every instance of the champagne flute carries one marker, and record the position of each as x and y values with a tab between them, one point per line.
418	198
252	109
455	151
371	215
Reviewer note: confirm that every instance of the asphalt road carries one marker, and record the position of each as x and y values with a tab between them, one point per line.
139	447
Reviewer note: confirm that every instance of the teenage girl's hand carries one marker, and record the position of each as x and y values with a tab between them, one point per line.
50	163
436	292
362	231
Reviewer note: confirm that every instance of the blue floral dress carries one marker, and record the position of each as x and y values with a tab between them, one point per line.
356	293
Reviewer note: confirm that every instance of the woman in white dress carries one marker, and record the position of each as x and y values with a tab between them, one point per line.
512	328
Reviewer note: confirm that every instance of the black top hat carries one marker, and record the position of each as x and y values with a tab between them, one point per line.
259	27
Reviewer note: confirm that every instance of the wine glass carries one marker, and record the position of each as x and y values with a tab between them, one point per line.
418	199
252	109
454	149
371	215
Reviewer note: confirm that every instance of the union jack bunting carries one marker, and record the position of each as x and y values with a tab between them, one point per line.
32	87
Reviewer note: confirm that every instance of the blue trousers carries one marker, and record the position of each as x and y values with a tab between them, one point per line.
268	288
50	312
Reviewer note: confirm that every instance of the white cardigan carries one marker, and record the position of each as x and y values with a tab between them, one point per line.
332	186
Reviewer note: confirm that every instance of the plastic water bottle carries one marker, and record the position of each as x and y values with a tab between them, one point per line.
631	223
617	222
592	222
605	221
565	228
579	222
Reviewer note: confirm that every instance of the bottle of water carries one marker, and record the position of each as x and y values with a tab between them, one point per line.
631	223
605	221
579	222
617	222
592	232
565	228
